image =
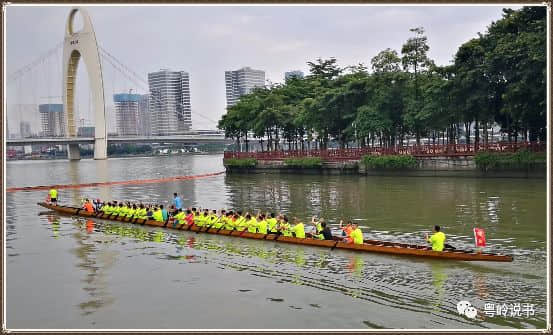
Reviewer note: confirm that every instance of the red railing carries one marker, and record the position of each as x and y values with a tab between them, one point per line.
417	151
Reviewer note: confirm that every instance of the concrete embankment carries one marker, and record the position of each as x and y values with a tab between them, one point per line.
440	166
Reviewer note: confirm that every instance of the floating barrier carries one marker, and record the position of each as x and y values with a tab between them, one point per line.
122	182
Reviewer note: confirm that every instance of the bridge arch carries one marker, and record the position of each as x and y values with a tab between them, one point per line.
79	45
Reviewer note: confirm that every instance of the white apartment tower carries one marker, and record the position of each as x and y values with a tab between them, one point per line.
52	120
241	82
169	99
126	113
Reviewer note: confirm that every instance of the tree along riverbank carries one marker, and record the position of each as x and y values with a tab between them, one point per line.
522	164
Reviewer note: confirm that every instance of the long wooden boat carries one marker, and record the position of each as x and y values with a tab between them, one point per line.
367	246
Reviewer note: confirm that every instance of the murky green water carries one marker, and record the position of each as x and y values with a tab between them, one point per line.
65	272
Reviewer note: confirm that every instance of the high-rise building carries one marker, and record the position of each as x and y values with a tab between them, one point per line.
241	82
293	74
126	113
24	129
144	117
52	120
169	100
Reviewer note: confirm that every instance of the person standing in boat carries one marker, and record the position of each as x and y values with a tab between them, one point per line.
53	194
437	239
177	201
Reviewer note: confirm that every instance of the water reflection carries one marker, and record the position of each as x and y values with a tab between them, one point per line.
439	277
386	281
95	263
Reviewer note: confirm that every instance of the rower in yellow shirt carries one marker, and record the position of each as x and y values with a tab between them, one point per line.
272	224
241	222
158	215
356	234
251	223
284	227
298	229
262	224
437	239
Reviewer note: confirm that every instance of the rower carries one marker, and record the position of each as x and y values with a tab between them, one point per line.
221	220
437	239
164	214
241	222
346	231
356	235
272	222
180	216
251	223
298	229
97	205
53	193
318	228
88	206
189	217
284	227
326	233
231	220
158	215
199	220
131	211
215	221
262	224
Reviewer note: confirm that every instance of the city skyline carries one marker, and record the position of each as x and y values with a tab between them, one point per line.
352	34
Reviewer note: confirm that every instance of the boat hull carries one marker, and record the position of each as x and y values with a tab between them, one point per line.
369	245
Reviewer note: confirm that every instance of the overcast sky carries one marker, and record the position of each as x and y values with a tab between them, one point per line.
207	40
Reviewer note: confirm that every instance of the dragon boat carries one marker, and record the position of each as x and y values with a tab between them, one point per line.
376	246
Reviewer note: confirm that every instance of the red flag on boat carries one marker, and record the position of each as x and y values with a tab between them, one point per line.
479	237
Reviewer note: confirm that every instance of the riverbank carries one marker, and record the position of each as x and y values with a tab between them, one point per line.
439	166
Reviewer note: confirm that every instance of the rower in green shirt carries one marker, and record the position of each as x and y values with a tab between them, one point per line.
437	239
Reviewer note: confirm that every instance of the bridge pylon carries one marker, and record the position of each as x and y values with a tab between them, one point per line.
77	45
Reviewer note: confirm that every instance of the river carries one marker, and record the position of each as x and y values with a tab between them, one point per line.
67	272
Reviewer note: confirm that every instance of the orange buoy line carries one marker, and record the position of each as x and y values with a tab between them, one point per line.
122	182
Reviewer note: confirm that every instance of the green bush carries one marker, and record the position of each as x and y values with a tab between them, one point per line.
306	162
390	162
522	159
240	162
